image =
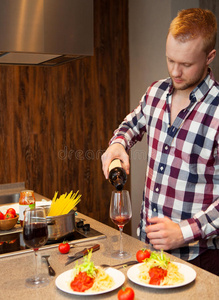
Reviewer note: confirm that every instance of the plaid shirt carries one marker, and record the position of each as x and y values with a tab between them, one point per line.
182	176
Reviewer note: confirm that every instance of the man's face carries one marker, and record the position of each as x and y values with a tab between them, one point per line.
186	62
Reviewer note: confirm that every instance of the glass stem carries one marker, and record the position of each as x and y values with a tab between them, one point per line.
36	264
121	243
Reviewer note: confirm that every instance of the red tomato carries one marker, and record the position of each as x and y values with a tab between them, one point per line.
9	216
11	211
64	247
143	254
1	216
126	294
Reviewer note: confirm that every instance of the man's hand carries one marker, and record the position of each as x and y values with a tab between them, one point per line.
114	151
164	233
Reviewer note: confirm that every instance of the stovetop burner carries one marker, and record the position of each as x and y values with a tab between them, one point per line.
13	244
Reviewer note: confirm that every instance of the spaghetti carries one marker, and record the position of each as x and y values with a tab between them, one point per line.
102	282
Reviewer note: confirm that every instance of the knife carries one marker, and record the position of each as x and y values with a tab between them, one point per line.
82	253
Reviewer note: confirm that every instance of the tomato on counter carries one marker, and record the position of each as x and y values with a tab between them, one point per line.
64	247
126	294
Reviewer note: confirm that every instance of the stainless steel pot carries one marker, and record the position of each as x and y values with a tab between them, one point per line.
60	226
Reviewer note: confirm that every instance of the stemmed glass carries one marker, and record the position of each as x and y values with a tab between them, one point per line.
35	234
120	214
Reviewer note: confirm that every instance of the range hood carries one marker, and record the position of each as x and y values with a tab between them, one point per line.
45	32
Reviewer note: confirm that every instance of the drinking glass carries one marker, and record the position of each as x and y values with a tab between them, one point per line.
120	214
35	234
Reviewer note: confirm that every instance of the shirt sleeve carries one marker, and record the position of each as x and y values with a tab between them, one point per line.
132	129
203	225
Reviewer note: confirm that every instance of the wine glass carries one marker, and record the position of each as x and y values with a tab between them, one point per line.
120	214
35	234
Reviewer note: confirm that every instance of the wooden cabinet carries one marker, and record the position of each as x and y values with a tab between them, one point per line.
55	122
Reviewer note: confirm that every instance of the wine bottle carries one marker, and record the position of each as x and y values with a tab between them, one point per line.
117	175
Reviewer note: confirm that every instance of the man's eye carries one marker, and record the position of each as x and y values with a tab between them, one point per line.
187	65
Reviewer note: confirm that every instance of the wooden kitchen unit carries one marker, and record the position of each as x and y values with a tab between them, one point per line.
57	121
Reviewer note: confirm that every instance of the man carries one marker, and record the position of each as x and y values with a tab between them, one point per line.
180	208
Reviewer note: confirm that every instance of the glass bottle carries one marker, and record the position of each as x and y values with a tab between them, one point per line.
26	200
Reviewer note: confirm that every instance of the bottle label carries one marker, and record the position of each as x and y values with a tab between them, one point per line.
22	209
116	163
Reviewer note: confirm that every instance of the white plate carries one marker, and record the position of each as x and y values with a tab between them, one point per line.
189	276
63	282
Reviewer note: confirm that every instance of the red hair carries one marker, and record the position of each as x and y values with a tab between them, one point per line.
193	22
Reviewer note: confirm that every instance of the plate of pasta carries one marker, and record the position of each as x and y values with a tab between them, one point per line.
87	279
63	282
158	272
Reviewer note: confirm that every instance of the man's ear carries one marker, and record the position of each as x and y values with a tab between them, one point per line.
211	56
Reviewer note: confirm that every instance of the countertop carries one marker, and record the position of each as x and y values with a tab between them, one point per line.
15	269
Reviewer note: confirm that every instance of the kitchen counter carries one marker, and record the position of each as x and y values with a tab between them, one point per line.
15	269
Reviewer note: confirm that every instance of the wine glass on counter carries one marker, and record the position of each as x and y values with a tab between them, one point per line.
35	235
120	214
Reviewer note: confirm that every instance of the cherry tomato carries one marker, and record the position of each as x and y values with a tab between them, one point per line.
126	294
64	247
1	216
142	254
9	216
11	211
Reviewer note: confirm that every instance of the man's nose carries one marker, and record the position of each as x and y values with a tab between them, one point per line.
176	70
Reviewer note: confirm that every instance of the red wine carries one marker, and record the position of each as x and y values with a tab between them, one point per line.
35	235
117	175
121	220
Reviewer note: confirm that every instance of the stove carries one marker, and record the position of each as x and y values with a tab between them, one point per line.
12	243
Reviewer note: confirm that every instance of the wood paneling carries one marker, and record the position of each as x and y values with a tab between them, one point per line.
55	122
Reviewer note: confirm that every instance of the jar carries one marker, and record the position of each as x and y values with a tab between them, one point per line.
26	200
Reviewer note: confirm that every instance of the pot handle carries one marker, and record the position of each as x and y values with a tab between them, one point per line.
50	222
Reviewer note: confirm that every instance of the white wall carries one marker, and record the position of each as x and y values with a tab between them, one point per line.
148	25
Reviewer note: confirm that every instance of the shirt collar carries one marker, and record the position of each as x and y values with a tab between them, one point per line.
199	92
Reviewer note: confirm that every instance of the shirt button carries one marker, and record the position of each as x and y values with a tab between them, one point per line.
154	209
166	147
157	189
161	168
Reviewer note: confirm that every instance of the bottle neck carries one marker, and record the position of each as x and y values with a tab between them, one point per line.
119	184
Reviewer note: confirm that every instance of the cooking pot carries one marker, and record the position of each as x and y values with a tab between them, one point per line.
60	226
